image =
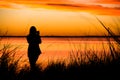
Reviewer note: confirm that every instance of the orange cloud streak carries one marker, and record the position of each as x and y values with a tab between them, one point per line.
64	5
109	1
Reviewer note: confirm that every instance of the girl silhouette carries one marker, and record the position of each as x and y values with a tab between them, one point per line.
34	51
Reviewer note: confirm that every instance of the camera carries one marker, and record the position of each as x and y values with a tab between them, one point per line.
38	32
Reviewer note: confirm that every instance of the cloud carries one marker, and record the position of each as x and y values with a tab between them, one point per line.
65	5
88	6
107	9
109	1
4	4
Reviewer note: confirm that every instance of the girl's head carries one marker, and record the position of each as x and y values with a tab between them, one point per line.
32	30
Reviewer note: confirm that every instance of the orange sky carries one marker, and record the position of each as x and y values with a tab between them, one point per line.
58	17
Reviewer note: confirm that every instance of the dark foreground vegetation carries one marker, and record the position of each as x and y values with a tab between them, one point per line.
105	66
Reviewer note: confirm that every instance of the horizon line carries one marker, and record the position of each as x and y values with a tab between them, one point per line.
64	36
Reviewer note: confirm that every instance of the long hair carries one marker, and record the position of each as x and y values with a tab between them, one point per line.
32	30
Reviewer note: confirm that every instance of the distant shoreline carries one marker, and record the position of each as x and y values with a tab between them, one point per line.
66	36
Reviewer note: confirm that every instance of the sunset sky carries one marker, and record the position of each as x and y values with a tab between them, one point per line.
59	17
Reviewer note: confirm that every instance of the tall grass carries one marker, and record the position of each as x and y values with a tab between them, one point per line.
108	63
82	64
8	63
